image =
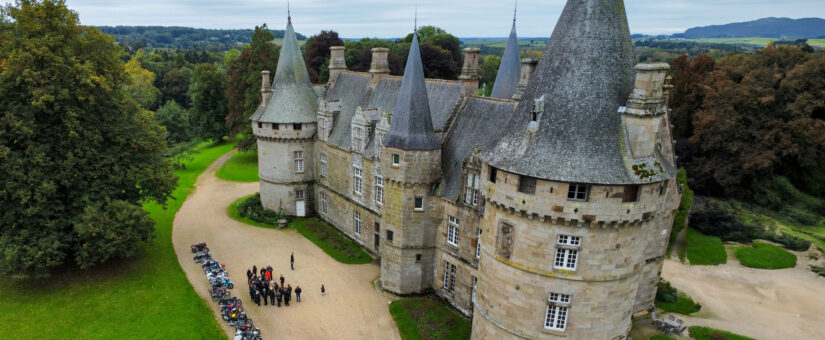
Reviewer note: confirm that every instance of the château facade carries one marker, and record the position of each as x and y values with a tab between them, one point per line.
542	211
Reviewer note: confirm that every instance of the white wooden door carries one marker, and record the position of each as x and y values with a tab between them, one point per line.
300	209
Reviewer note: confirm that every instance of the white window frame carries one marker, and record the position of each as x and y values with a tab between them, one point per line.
356	222
299	161
471	193
379	190
578	189
415	203
452	230
449	276
358	180
299	194
323	165
567	252
378	145
478	243
324	204
558	311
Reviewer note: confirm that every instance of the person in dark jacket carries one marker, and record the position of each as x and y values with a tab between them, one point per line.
298	293
285	293
279	296
257	298
263	272
292	260
323	290
248	275
272	298
254	269
264	293
282	280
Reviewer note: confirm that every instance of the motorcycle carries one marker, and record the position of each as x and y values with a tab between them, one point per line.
201	257
230	301
221	281
200	247
218	293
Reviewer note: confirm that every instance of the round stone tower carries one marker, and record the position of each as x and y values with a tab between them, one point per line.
576	190
285	125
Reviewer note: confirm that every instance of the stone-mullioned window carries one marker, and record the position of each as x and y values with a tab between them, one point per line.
358	179
324	204
449	276
356	222
298	156
471	192
452	230
478	242
323	165
578	192
558	306
379	190
567	252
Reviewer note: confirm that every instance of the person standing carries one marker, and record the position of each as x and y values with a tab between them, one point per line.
264	292
252	291
279	296
272	297
285	293
257	298
323	290
268	275
254	269
292	261
298	294
248	275
282	280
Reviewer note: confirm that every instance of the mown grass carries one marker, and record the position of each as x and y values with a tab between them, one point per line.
427	319
765	256
707	333
330	240
703	249
146	297
242	167
680	221
683	305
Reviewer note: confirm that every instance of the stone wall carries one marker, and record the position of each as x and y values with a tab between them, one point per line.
462	256
276	166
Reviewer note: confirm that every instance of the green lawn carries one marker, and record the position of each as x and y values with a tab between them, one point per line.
330	240
704	250
707	333
661	337
683	305
424	318
765	256
147	297
242	167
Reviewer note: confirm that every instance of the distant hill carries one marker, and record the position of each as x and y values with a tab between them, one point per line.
184	37
762	28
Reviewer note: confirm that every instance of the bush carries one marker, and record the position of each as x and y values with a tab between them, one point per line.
253	210
790	242
680	221
765	256
819	270
707	333
665	292
669	299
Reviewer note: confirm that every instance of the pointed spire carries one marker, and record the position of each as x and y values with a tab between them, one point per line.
293	98
288	13
509	72
412	127
565	128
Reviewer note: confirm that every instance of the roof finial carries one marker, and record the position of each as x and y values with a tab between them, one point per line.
288	13
515	10
415	27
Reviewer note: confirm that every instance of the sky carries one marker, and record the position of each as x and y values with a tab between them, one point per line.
395	18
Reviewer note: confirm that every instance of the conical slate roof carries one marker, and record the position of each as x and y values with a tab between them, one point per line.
293	99
411	127
584	77
509	72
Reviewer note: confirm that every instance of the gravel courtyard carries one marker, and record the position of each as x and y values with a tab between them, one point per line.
351	309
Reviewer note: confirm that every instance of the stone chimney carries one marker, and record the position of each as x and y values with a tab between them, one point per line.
337	62
528	65
266	87
470	72
380	65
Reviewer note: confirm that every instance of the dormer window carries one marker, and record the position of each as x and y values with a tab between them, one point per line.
297	127
357	138
275	126
631	193
537	110
260	125
527	185
396	159
471	189
577	192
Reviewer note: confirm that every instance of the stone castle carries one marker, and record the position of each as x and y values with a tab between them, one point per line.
542	211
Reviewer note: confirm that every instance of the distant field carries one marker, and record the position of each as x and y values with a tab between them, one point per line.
753	41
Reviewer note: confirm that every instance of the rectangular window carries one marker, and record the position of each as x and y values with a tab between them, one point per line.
299	194
299	161
379	190
417	257
493	173
527	184
452	231
396	159
356	222
260	125
378	145
389	236
662	189
356	139
471	194
577	192
557	311
275	126
478	242
419	203
358	177
567	252
324	205
449	276
631	193
297	127
323	165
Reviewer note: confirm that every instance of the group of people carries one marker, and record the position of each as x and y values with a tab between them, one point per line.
264	286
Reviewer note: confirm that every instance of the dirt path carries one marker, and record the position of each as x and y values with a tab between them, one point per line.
763	304
351	309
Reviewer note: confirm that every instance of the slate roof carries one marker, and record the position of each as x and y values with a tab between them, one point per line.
509	72
293	98
481	123
585	75
352	90
412	127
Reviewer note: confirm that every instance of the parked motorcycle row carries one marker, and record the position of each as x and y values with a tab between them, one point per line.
231	309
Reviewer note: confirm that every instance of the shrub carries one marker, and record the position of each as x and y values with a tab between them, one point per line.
707	333
680	221
765	256
665	292
790	242
253	210
819	270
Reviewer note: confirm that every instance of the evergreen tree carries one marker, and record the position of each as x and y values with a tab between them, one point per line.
244	91
209	107
77	154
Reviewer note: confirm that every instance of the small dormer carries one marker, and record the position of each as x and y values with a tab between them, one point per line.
535	113
381	129
359	130
327	111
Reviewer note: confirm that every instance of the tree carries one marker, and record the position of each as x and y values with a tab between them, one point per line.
77	154
688	93
244	91
440	52
176	121
174	86
317	53
359	55
141	87
209	107
489	70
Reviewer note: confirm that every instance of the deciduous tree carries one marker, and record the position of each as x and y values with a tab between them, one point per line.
209	107
317	53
